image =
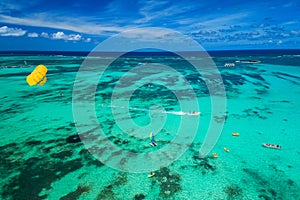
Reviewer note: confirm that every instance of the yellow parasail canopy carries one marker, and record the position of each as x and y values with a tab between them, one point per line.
37	76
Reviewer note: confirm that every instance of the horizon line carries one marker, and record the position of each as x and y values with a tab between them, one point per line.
157	51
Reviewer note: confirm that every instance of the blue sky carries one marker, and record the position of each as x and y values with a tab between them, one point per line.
81	25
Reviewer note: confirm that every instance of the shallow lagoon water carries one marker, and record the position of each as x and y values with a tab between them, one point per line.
42	157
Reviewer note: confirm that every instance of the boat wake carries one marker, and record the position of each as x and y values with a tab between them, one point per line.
184	113
180	113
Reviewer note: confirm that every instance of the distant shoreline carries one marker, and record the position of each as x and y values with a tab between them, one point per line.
153	53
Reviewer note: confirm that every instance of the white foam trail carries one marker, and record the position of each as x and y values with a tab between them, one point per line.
184	113
181	113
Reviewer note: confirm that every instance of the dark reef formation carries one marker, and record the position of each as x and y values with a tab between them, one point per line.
169	182
107	192
51	161
276	185
76	194
233	192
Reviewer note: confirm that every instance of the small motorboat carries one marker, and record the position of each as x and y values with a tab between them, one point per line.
248	61
193	113
271	146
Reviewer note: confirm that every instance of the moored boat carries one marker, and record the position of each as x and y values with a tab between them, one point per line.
235	134
271	146
226	149
229	65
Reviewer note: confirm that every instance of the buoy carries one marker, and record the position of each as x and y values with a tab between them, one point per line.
235	134
214	155
225	149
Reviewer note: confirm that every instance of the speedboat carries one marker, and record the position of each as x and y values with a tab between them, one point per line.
271	146
186	113
248	61
193	113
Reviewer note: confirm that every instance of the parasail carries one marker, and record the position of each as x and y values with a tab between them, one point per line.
37	76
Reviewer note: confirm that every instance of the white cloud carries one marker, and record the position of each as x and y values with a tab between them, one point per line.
289	23
74	37
8	5
33	35
285	34
6	31
88	40
145	33
160	38
58	35
153	10
293	32
219	22
80	25
62	36
45	35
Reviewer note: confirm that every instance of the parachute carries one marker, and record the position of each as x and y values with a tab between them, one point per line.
37	76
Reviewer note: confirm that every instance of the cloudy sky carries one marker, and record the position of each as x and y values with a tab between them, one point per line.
81	25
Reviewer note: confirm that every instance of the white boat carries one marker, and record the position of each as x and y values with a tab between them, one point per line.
229	65
193	113
248	61
271	146
186	113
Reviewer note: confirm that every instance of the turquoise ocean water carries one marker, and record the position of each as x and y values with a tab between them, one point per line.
42	156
